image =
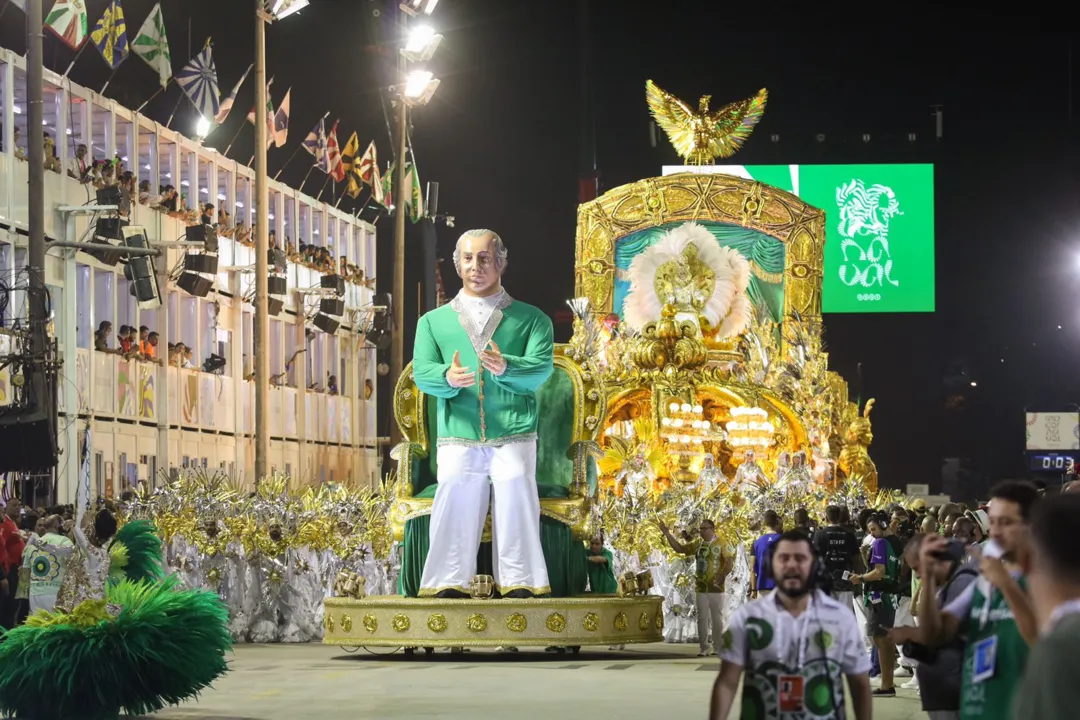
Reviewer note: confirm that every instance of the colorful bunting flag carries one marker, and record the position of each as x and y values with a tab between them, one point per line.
315	144
281	121
67	20
198	79
227	103
367	172
350	165
337	170
110	35
388	186
152	45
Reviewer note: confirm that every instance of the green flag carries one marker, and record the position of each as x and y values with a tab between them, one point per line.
414	201
152	45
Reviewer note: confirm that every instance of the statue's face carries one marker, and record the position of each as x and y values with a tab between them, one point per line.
476	266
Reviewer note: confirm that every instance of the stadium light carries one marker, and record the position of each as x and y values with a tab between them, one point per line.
280	9
420	86
202	127
416	7
422	44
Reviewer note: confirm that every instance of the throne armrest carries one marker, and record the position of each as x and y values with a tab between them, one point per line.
410	413
589	402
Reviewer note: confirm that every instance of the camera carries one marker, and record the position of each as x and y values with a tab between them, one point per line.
954	551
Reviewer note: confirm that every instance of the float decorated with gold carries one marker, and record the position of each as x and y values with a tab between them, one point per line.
695	384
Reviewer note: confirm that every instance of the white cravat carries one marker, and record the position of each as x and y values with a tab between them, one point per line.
480	308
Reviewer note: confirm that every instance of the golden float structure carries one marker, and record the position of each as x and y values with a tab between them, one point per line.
606	381
396	621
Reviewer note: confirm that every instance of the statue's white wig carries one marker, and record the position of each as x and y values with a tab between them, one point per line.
500	248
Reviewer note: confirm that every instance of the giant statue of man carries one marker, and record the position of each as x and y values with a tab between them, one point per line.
483	356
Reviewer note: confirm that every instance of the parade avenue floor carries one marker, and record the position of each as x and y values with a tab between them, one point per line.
289	682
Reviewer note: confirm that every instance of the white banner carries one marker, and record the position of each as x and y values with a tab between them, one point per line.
1053	431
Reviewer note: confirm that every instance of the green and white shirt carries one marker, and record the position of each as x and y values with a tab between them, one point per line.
794	667
46	567
994	655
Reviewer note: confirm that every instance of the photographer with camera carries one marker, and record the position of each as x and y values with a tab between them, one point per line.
939	669
993	614
880	597
839	552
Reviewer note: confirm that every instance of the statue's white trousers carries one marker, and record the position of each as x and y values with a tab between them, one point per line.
470	479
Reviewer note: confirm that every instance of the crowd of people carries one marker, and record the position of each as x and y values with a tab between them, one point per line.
977	604
104	173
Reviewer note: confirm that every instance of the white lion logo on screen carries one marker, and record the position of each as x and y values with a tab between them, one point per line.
865	214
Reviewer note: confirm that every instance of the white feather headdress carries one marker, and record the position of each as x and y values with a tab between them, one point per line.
728	308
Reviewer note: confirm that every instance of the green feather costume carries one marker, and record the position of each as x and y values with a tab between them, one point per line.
165	645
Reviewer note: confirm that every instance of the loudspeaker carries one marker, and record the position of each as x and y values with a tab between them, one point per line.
206	234
274	305
104	256
140	270
201	263
28	433
332	306
277	259
109	195
333	282
107	232
195	284
29	442
277	285
326	323
379	338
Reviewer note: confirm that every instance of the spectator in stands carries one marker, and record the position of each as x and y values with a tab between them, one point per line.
149	349
144	192
144	335
101	338
80	169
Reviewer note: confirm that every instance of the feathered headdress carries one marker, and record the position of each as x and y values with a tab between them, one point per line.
727	308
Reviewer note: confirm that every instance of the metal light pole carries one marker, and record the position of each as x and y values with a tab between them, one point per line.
262	249
397	356
35	146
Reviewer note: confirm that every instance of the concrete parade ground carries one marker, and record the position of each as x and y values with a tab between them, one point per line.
290	682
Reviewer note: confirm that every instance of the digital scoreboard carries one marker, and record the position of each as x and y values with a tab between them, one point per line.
1050	463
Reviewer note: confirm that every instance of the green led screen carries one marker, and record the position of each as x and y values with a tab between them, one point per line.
879	222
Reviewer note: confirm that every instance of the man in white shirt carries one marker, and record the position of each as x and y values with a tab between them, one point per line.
796	645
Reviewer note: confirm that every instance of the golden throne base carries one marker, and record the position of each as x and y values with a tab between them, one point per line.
397	621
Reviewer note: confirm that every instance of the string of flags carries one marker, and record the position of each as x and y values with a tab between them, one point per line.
68	20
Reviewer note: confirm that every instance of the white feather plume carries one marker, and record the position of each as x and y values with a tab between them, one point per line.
727	308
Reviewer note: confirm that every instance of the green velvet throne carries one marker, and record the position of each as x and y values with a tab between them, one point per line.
565	474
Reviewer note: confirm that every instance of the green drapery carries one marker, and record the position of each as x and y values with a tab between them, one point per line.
565	557
765	251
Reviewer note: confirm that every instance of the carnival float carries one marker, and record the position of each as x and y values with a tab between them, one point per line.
695	385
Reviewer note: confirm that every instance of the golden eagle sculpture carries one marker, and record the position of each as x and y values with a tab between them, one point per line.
702	136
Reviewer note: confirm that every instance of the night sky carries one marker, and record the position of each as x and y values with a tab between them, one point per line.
503	136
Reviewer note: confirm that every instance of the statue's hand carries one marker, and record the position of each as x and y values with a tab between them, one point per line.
459	376
493	360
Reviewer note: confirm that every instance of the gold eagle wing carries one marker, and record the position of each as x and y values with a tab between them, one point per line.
673	116
734	122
